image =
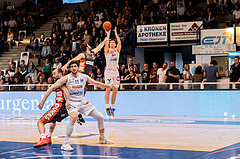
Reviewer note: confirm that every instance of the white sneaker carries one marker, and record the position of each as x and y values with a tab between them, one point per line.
66	147
104	140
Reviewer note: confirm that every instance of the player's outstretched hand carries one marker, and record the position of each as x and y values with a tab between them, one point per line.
64	68
115	30
68	105
40	105
108	33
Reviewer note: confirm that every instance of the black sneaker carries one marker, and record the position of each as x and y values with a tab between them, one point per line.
80	119
112	111
108	111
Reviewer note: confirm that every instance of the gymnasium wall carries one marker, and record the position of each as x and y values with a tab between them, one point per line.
161	103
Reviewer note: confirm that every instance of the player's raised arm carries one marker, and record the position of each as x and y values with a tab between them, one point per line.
106	49
119	45
66	96
56	85
98	84
100	46
78	57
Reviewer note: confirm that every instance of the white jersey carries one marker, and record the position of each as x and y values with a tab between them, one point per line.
76	87
112	58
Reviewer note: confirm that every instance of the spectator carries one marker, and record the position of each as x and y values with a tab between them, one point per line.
2	75
14	65
10	72
57	64
58	32
80	23
99	76
213	6
236	16
152	18
191	12
197	77
35	77
55	37
41	84
120	20
161	72
180	12
209	19
47	68
42	16
131	78
50	81
31	24
187	77
12	23
56	23
17	75
100	38
87	38
23	69
123	72
30	69
29	85
67	26
62	55
77	11
17	82
99	14
145	11
172	75
33	44
211	73
10	7
54	49
114	16
235	71
170	13
45	53
10	38
2	83
136	71
126	27
153	73
127	13
130	62
66	18
145	74
24	24
162	9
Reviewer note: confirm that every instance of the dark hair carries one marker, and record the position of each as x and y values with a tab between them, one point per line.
214	62
22	61
236	57
198	70
73	62
59	70
83	47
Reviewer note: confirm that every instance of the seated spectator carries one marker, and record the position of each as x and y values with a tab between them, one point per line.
180	12
10	72
197	77
42	16
126	28
152	18
145	11
62	55
153	73
34	76
127	13
101	37
120	20
10	38
2	83
41	42
56	23
187	76
123	72
211	73
67	26
161	72
114	16
41	85
66	18
10	8
170	13
191	12
29	85
47	68
87	38
99	76
213	6
17	75
30	69
57	64
24	24
12	24
130	62
162	9
33	44
209	19
122	35
45	53
136	71
55	37
145	74
66	44
31	24
23	69
50	81
236	16
2	75
80	23
131	78
172	75
54	49
17	82
58	32
77	11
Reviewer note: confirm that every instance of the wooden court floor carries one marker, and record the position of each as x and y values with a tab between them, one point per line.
181	134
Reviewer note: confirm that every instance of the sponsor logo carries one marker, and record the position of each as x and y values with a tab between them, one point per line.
109	80
81	79
215	40
76	81
52	111
78	93
77	86
118	78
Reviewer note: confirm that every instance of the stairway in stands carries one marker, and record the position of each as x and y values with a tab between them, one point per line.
46	28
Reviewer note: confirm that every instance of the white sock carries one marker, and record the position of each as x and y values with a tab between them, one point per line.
112	105
107	105
43	136
50	134
69	131
101	135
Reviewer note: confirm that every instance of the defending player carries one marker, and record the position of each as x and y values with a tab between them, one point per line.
75	82
111	72
57	113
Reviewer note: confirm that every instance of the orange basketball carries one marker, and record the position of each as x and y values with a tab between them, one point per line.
107	25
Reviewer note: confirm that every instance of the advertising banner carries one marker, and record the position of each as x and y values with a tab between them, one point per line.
184	30
217	36
213	49
152	33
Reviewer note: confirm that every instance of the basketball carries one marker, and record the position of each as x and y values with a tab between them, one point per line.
107	25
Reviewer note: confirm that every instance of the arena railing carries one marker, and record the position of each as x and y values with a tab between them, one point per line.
140	86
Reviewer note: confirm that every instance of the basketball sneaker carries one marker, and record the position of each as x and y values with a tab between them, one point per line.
41	142
66	147
49	139
104	140
108	111
112	111
80	119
